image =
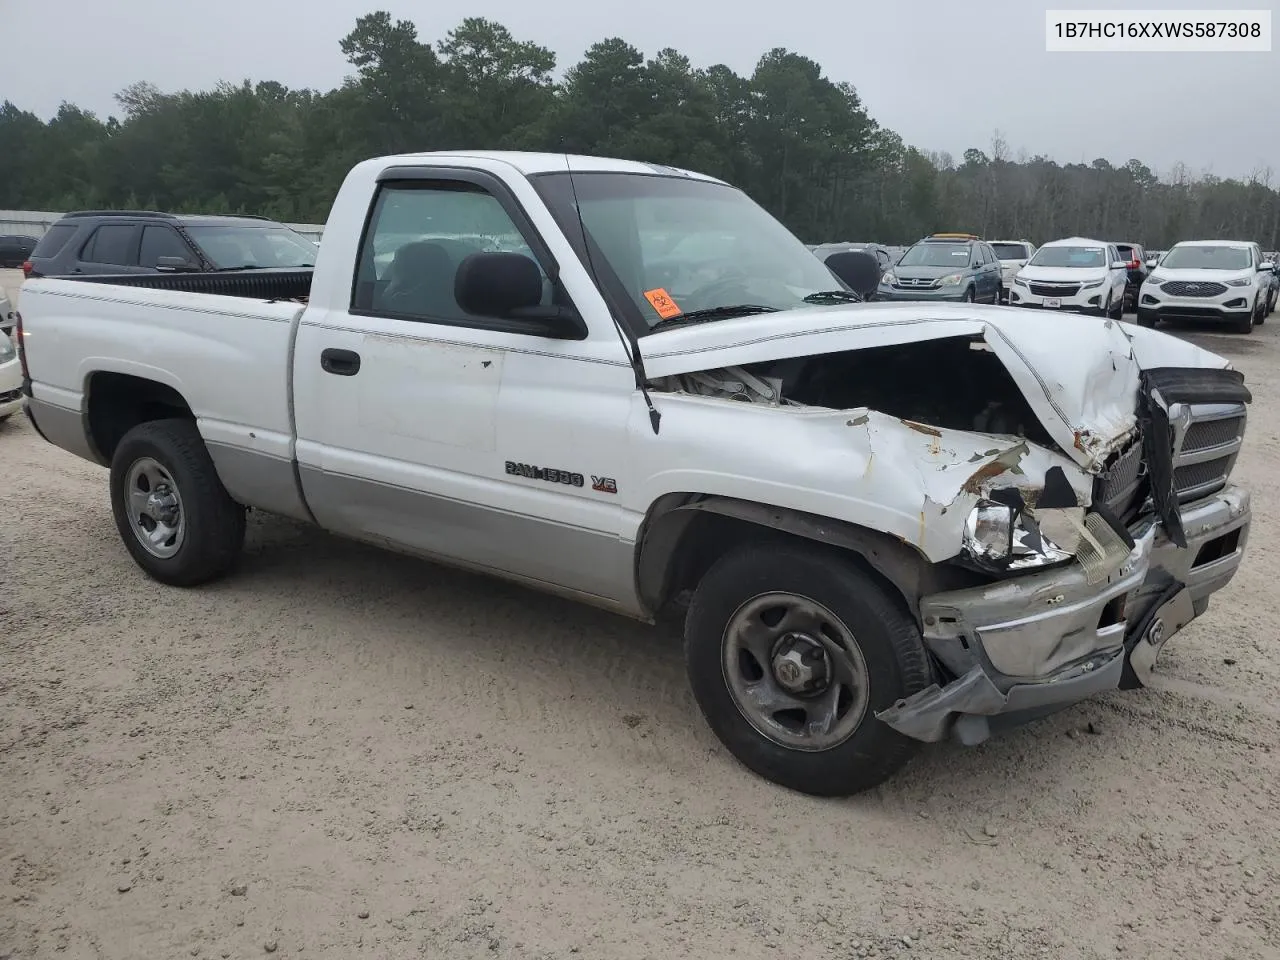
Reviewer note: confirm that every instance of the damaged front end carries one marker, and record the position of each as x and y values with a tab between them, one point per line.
1084	546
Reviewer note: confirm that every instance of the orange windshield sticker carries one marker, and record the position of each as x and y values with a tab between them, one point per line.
661	301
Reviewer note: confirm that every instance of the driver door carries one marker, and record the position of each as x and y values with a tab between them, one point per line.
458	436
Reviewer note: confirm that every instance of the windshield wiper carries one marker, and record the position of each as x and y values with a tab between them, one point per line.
712	313
833	296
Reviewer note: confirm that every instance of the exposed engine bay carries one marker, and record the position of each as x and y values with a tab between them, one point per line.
954	383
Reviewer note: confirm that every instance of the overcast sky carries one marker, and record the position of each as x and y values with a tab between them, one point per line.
943	74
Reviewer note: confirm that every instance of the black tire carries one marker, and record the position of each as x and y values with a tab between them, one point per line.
1146	320
892	650
213	534
1247	323
970	296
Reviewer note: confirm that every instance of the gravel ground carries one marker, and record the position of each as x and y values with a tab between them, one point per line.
343	752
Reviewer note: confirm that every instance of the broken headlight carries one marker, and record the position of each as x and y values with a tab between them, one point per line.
1006	538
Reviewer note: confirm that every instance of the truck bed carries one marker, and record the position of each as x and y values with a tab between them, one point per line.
214	340
252	284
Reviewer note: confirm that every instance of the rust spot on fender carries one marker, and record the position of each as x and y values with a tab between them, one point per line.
988	471
922	428
1009	460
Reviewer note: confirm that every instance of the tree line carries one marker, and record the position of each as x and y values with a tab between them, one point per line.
802	145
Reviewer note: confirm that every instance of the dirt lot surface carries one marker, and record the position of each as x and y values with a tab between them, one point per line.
346	753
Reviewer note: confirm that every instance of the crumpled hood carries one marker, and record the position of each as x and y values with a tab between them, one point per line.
1081	379
1062	274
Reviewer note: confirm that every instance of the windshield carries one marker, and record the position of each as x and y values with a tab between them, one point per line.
1207	258
1010	251
685	244
1069	257
936	255
248	245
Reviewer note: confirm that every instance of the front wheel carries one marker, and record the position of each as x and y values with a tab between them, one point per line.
791	651
176	519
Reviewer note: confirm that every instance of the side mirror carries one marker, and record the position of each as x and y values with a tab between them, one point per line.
858	269
508	286
1152	263
1267	266
176	264
1120	265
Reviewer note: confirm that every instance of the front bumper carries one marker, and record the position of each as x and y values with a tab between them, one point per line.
10	387
1235	304
1086	301
935	294
1024	647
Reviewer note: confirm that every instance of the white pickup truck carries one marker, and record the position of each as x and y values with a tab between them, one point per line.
629	384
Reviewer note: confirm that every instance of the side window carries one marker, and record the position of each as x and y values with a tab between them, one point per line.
111	243
160	242
417	236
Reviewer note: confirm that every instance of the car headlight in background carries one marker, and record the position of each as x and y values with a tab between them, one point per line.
1155	281
997	535
1019	282
7	350
1242	282
888	278
951	280
1093	284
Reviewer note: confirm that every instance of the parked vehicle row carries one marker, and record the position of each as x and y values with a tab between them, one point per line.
876	522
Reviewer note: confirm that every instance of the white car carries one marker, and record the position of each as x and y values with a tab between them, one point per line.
1076	274
1013	255
8	319
1208	279
10	378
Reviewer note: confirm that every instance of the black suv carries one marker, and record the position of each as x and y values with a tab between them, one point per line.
124	242
1136	258
15	248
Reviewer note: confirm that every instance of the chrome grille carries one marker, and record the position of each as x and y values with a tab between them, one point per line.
1212	433
1189	288
1207	440
1196	475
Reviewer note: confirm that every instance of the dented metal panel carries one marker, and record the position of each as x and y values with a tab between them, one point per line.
1080	375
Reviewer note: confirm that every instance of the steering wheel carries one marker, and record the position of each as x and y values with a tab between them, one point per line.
735	288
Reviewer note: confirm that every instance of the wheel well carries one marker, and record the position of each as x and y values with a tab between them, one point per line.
118	402
684	534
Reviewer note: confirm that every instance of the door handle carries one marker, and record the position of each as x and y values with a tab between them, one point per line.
342	363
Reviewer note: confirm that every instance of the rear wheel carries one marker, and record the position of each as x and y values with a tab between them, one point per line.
970	296
176	519
791	651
